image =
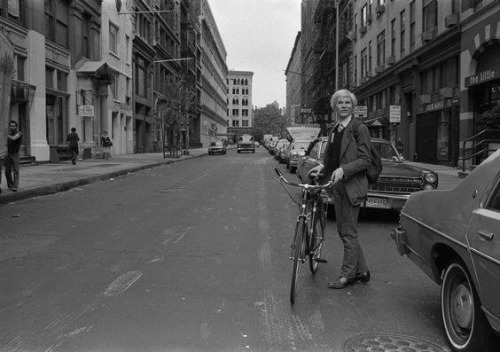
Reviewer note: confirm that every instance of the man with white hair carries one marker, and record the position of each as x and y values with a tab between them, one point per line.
347	157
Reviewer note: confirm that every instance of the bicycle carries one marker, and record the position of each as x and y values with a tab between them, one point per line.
310	227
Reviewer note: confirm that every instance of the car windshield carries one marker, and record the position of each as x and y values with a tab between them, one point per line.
212	144
387	151
300	145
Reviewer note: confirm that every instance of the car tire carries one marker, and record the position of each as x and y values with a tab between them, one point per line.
466	326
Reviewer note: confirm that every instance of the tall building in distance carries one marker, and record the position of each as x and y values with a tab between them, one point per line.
239	102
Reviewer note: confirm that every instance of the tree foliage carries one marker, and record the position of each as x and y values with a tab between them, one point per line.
269	120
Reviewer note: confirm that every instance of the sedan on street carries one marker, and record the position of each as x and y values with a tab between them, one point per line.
216	148
396	182
453	236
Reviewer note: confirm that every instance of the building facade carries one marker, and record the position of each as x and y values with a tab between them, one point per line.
110	66
293	82
424	71
213	93
239	102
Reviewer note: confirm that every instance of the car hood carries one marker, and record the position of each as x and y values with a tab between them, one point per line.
400	169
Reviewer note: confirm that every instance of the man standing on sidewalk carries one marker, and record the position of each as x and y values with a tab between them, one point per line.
14	139
72	140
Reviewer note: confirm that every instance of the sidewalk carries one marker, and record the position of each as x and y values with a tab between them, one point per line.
46	178
43	179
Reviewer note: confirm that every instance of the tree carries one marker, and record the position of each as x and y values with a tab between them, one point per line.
269	120
176	114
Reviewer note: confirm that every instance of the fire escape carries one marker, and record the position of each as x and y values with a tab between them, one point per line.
323	80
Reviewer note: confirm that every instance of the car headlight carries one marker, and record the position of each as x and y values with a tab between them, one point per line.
430	177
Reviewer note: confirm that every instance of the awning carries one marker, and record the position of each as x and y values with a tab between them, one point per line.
96	69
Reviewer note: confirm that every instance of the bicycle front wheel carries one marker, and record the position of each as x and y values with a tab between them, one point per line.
298	250
317	236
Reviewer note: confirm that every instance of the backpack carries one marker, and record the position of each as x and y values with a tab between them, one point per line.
375	168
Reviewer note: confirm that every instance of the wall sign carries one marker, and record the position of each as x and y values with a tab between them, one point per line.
479	78
86	110
395	113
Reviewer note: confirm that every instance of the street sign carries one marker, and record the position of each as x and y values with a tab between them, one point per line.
86	110
361	111
395	113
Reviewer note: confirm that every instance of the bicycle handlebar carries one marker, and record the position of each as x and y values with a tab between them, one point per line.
302	185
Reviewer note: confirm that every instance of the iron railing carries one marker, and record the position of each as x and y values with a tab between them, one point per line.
478	147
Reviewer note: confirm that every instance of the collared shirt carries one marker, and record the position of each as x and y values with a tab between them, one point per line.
344	124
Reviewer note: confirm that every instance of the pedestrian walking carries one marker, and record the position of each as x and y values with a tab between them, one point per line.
72	140
14	138
347	157
106	145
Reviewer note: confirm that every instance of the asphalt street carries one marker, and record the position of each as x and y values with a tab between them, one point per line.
193	256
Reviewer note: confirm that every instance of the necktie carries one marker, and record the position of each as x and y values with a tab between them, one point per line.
340	127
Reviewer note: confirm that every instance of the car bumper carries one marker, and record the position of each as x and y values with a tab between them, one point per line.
248	149
387	201
399	236
216	151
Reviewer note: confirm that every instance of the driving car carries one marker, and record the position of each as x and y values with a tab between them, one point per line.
216	148
453	236
294	150
245	143
395	184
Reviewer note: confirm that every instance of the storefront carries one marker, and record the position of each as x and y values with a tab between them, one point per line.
437	133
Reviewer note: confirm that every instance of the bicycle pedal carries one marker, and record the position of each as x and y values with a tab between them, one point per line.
320	260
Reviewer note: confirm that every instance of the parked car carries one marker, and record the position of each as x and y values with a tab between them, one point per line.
396	182
294	150
245	143
453	236
216	148
279	149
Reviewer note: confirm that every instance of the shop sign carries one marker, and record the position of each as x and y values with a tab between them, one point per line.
395	113
479	78
361	111
86	110
435	106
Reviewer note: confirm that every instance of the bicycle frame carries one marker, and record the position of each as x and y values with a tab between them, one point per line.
308	244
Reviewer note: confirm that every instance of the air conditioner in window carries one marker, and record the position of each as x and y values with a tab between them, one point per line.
451	20
362	30
380	9
369	18
391	60
379	69
427	36
446	92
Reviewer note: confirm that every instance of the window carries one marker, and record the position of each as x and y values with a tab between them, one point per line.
393	38
19	72
364	10
244	123
114	86
244	112
14	10
364	62
49	77
429	19
494	201
141	81
62	81
412	26
113	38
402	24
56	21
236	112
370	56
381	49
86	43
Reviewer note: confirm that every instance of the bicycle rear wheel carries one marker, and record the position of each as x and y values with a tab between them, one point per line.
317	236
298	250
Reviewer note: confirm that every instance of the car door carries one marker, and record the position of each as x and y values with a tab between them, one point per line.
483	236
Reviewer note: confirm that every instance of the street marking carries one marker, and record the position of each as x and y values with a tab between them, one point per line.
122	283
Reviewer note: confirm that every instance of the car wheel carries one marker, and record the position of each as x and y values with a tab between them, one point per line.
466	327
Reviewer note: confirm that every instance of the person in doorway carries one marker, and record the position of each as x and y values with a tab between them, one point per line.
347	157
14	138
399	145
72	140
106	145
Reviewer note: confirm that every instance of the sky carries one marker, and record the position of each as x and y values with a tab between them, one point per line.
259	36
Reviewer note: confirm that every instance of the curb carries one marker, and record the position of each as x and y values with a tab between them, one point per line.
67	185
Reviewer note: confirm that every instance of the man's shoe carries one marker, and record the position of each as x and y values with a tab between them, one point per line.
13	189
342	282
363	277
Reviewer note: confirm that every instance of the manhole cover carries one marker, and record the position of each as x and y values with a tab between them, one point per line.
389	343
